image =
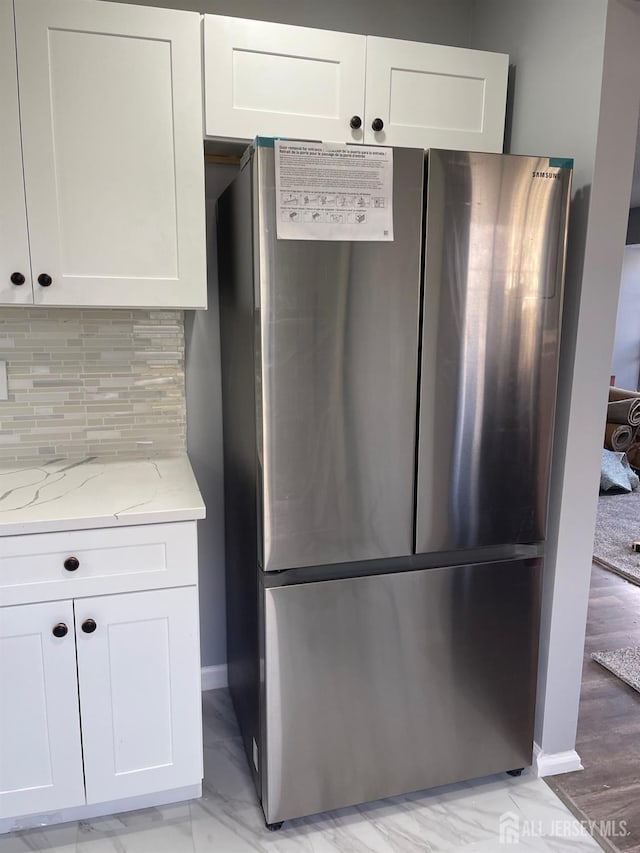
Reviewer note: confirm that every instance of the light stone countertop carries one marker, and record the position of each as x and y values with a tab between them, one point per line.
77	494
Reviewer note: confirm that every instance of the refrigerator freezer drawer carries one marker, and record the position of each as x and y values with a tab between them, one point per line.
377	686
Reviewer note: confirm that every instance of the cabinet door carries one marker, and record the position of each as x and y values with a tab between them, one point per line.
432	96
265	79
40	754
110	100
14	247
139	677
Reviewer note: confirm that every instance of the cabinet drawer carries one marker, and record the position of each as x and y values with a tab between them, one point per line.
32	568
436	674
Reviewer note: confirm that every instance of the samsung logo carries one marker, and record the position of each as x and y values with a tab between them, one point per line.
554	175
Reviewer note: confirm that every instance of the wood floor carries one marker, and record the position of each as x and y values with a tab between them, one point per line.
608	739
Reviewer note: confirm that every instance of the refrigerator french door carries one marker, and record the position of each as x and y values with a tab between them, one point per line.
388	415
494	267
337	360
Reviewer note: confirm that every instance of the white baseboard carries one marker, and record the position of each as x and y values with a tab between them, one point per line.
552	763
214	676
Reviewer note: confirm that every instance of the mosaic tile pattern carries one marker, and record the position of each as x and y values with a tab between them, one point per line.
92	382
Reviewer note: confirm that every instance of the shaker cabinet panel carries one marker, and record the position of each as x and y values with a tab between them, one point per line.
139	678
266	79
14	245
97	562
100	696
434	96
40	753
110	100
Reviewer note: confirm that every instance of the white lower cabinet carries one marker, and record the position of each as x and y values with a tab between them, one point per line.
139	684
99	694
40	752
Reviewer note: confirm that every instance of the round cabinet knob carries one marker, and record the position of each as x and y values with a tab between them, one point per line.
17	278
71	564
44	280
377	124
59	630
355	123
89	626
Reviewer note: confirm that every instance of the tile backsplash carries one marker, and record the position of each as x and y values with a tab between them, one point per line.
96	382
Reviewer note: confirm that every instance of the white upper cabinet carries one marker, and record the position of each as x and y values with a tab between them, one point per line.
264	79
14	245
433	96
277	80
111	112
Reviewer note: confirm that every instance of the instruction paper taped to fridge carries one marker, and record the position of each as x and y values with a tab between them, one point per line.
328	191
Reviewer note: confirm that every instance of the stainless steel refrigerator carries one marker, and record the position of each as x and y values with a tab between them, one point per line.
388	411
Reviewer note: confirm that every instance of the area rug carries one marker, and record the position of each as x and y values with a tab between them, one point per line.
625	663
617	525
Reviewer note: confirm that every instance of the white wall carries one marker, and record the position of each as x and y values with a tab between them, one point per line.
625	365
576	90
436	21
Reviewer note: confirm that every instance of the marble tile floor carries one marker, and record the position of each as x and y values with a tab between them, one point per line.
461	818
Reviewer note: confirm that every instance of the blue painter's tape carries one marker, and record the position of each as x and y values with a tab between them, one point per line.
266	141
561	162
